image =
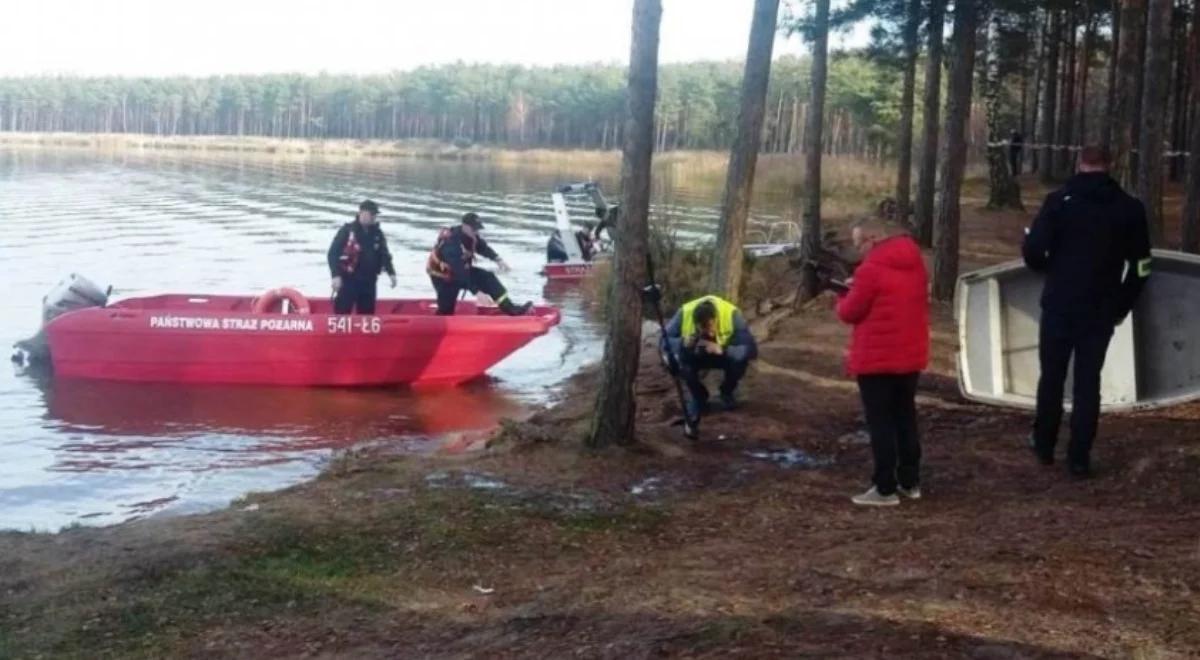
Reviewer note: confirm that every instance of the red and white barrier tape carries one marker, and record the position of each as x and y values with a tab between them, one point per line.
1074	147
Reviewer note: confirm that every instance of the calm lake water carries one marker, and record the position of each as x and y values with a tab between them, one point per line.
100	453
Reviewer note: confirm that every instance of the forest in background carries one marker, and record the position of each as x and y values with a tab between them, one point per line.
1056	66
511	106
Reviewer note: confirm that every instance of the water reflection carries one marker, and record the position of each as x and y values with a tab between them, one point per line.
107	452
286	418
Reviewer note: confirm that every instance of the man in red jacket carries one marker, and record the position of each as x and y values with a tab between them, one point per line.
888	305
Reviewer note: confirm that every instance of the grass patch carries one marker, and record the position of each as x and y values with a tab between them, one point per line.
634	519
349	563
723	631
849	186
715	634
151	618
281	569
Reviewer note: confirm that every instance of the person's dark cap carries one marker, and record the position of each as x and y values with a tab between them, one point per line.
368	205
472	220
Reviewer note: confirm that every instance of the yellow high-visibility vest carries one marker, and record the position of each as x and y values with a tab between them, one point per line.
725	312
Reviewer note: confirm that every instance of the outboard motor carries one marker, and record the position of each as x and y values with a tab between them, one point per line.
74	292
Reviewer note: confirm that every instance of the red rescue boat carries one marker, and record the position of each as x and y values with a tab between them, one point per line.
184	338
567	271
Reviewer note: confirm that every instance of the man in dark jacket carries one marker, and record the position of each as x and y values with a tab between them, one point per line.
451	268
1091	241
888	305
358	254
709	333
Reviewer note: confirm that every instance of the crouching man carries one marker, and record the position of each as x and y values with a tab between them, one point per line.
709	334
888	305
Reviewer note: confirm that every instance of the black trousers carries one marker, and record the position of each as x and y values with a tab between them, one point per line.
889	402
356	295
692	367
478	280
1058	340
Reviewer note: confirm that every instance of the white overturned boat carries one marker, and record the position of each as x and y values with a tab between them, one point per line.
780	238
1153	360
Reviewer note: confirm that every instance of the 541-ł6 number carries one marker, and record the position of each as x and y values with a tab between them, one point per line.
367	325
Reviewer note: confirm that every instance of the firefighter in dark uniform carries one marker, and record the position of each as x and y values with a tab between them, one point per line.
1091	241
358	254
608	217
452	269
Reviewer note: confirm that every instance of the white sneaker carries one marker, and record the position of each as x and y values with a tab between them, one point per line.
873	498
913	493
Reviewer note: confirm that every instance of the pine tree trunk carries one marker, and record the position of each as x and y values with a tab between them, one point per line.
1050	101
803	142
1031	134
793	135
1129	64
1110	106
1179	111
932	103
1024	96
1085	62
1154	112
778	111
1136	125
739	180
1004	191
958	112
810	235
616	405
905	147
1191	209
1066	120
841	133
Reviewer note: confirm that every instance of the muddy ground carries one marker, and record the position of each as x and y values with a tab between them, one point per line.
742	545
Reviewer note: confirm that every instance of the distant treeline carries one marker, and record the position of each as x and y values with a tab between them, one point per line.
512	106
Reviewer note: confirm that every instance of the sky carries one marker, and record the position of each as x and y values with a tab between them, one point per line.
203	37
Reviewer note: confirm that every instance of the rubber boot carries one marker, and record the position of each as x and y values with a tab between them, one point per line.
507	307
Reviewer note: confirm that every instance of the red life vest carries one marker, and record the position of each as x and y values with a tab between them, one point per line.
349	259
438	268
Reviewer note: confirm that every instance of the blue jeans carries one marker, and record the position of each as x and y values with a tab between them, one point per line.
692	367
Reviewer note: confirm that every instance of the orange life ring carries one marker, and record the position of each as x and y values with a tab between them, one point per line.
264	303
